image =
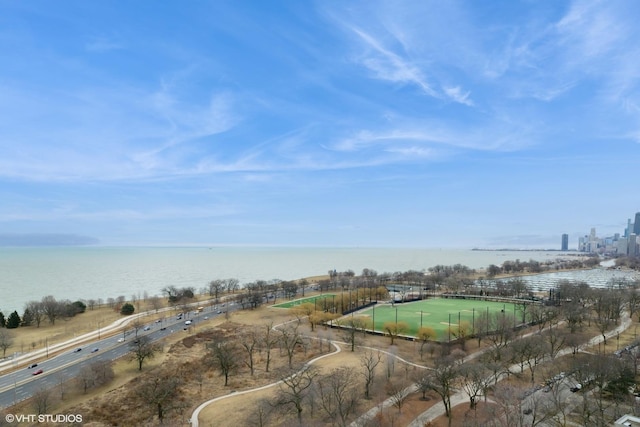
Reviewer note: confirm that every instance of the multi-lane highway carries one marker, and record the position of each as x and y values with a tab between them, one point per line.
22	383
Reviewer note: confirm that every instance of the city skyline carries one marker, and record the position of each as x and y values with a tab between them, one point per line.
461	125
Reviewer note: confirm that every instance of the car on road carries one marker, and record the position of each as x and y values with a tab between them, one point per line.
77	350
163	329
120	339
146	328
38	372
33	365
206	317
95	350
188	322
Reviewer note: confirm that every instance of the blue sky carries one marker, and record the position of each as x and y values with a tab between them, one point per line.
329	123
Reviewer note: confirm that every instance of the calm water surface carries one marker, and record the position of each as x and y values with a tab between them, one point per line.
103	272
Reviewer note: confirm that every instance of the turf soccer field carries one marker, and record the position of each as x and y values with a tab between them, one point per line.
311	300
434	313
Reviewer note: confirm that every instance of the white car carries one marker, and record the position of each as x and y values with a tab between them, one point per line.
120	339
188	322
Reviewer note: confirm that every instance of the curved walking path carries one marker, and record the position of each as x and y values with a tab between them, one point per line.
437	410
362	419
194	416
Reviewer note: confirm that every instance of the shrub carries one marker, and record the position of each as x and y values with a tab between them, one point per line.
127	309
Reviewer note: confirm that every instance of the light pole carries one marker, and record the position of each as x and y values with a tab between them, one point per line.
373	326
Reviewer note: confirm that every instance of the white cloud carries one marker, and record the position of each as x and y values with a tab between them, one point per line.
390	66
456	94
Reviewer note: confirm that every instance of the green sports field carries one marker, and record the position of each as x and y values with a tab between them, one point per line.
434	313
299	301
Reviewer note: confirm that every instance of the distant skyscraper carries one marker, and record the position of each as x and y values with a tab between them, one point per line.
565	242
636	225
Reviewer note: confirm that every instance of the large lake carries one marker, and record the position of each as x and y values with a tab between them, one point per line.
103	272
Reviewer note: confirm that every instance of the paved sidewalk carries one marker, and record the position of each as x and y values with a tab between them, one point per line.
437	410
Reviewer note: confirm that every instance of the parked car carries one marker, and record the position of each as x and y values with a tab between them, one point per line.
38	372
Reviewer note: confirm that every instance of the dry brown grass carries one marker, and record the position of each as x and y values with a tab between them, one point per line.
187	352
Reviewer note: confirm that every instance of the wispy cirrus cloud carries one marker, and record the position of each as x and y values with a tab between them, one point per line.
437	137
108	133
396	67
388	65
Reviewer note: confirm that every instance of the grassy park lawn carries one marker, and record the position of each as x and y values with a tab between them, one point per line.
312	300
434	313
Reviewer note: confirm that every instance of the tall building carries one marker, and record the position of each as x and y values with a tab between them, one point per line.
633	245
565	242
636	225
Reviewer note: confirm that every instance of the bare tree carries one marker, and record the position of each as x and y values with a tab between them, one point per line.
501	331
216	287
225	355
37	311
295	389
476	381
442	379
85	379
555	340
155	302
250	341
338	394
137	325
91	303
290	339
350	328
42	400
369	361
232	285
425	335
162	393
261	414
398	391
61	382
141	349
51	308
510	405
6	341
269	340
